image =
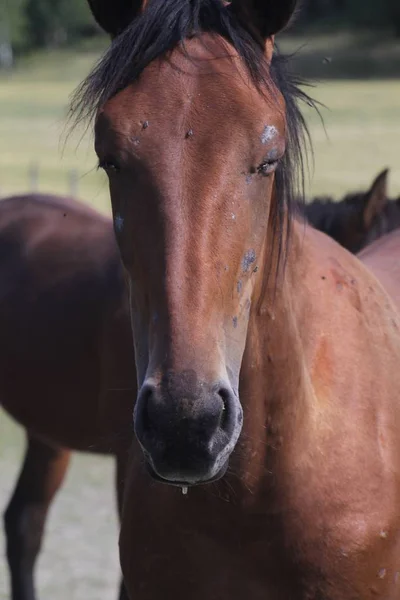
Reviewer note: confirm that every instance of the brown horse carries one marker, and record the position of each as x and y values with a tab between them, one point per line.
66	359
281	393
382	257
358	219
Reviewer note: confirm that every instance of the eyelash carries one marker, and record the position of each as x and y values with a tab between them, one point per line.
267	167
108	166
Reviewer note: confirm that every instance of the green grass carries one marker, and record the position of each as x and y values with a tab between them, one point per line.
362	122
362	135
33	129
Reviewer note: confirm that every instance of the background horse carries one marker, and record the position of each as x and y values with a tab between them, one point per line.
66	358
280	393
358	219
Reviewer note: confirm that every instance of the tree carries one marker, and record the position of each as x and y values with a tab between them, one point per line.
369	13
12	25
321	8
54	22
394	15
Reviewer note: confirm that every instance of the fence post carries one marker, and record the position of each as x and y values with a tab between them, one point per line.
33	177
6	49
73	182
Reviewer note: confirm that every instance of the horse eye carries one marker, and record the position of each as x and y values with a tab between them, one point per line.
109	166
267	167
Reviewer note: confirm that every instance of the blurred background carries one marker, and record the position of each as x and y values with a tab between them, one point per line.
350	50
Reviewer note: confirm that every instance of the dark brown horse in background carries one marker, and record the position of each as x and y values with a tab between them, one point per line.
66	358
358	219
267	356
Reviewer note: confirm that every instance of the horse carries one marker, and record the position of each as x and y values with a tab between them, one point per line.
66	356
382	258
383	222
266	355
266	456
359	218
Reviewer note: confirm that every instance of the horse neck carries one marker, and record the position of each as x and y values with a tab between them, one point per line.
276	392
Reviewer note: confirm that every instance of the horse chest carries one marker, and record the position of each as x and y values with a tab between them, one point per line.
180	562
205	545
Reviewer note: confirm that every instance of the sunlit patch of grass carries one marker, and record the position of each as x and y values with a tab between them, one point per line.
34	130
362	122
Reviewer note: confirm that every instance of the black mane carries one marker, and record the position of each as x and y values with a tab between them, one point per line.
343	220
329	215
165	24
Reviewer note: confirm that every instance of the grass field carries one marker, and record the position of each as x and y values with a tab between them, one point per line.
362	136
33	129
79	559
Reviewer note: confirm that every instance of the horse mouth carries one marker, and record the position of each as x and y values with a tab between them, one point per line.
185	483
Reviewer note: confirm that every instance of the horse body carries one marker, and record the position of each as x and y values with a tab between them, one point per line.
66	358
61	297
309	506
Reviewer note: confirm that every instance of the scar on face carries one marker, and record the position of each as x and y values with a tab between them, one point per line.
269	133
118	222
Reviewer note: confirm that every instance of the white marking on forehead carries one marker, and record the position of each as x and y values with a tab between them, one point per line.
118	222
270	131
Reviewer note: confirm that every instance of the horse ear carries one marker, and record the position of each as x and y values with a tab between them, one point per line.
375	199
114	15
266	17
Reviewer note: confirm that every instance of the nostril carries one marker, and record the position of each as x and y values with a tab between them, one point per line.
142	416
227	406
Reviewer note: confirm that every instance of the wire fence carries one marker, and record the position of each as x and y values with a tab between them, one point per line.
30	181
88	186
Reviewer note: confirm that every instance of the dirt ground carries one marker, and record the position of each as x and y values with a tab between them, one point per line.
79	559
